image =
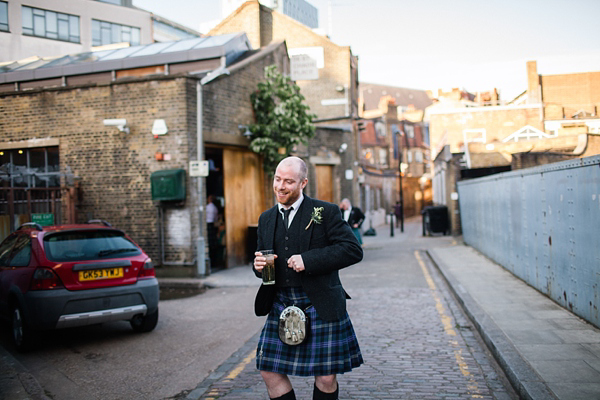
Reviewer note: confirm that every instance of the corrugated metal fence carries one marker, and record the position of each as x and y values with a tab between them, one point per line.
542	224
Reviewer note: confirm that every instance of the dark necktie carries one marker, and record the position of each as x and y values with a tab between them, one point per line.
286	217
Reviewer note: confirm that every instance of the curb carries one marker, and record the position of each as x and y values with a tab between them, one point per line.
525	381
226	367
16	383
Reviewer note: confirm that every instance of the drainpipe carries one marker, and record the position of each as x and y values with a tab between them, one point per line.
200	245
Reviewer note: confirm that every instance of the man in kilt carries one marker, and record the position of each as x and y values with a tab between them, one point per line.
310	250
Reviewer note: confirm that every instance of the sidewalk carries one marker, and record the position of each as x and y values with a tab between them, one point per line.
545	350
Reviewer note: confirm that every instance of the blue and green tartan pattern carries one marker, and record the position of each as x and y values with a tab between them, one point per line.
330	348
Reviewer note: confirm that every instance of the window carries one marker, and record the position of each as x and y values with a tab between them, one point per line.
107	33
21	253
410	131
3	16
383	156
409	156
88	245
6	250
30	168
418	156
50	24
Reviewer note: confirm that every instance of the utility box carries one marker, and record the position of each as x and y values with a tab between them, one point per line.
168	185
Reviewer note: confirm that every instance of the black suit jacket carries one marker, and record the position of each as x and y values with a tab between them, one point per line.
356	217
325	249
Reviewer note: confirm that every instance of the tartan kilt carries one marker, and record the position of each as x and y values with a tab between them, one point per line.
330	348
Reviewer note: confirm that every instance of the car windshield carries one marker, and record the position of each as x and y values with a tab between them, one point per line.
88	245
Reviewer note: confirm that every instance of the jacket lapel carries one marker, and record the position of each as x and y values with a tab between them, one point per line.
306	209
270	228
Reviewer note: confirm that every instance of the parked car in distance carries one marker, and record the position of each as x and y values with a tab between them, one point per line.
64	276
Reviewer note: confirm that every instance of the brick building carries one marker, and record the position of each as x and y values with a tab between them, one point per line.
332	97
199	89
395	134
554	119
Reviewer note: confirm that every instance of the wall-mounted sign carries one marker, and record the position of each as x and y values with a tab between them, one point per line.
198	168
303	68
316	53
45	219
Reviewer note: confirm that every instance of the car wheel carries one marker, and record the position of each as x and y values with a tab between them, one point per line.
145	323
23	337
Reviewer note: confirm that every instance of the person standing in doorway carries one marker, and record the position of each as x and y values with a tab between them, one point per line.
312	243
354	216
212	215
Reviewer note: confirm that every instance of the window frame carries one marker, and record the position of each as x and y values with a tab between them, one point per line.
44	18
2	24
22	243
49	170
108	28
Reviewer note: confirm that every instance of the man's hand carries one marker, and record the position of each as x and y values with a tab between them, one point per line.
296	263
260	261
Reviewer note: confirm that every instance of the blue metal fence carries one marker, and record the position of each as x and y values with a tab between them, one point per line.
542	224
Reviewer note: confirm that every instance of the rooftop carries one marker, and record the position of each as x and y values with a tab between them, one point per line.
224	48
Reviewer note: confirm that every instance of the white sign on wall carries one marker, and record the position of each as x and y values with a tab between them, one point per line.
303	68
198	168
316	53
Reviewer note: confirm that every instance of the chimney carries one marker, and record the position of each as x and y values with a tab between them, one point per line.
533	83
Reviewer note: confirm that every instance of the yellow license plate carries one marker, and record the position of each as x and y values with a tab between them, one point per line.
96	274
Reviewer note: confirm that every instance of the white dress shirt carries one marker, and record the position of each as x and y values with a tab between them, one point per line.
296	206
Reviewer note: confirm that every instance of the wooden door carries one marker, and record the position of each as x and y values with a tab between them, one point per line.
324	175
244	200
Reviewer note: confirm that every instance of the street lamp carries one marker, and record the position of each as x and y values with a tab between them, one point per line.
401	205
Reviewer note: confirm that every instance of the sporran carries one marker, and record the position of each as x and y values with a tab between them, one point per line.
293	326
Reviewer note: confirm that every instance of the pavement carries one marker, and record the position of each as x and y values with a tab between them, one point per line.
546	351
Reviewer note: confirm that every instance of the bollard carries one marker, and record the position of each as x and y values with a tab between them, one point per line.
391	224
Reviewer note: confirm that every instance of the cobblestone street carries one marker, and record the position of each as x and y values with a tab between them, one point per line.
416	342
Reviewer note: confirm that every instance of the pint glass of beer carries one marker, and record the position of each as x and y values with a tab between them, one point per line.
268	272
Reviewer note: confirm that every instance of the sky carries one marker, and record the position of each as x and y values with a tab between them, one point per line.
431	44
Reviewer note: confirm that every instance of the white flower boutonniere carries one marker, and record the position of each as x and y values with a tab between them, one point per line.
315	217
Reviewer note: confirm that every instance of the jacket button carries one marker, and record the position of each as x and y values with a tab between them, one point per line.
286	248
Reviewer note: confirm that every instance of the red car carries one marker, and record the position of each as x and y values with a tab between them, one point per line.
73	275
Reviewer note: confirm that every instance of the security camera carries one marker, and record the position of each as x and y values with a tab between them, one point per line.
115	122
120	123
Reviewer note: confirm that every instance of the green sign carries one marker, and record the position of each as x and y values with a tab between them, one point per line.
43	219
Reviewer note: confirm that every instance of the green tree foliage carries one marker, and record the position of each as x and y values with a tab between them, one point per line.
282	118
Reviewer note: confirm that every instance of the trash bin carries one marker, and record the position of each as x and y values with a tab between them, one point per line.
435	220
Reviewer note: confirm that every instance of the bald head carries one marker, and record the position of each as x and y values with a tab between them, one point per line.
296	164
289	180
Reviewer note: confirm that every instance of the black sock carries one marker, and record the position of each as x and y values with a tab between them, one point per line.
288	396
318	395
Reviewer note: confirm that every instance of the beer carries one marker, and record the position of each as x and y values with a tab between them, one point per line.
268	272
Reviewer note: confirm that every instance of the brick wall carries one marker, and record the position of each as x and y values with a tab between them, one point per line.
275	26
325	146
571	92
227	101
113	167
499	123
